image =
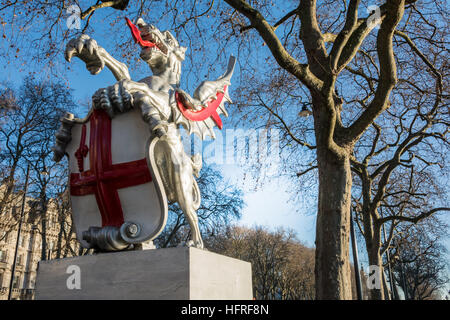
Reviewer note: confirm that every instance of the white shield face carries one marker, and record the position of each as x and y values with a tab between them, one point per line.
113	175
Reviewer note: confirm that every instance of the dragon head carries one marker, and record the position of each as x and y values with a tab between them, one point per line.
160	50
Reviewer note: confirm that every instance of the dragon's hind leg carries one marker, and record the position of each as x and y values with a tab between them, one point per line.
186	192
196	239
187	198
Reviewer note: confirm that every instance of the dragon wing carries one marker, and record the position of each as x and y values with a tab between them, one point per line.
199	114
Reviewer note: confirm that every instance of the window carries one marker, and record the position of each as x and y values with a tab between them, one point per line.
51	245
2	273
3	254
20	259
16	281
55	222
10	237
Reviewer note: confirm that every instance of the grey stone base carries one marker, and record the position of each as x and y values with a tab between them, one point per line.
173	273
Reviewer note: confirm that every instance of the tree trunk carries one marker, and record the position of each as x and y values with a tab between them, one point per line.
44	224
375	260
332	268
44	237
61	215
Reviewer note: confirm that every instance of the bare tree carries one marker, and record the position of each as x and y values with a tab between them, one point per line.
397	172
420	260
26	137
66	244
282	267
7	100
407	199
413	126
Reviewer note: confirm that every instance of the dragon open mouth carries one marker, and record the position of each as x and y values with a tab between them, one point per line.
146	39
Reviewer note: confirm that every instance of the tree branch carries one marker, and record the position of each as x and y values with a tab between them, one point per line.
278	23
419	53
286	127
313	40
344	35
416	219
299	174
283	58
116	4
388	70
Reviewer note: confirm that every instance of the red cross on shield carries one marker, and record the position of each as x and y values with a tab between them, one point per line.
113	175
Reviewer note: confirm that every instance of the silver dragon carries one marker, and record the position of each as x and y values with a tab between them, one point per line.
156	96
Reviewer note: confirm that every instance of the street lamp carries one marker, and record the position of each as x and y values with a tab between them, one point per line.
305	111
19	229
44	171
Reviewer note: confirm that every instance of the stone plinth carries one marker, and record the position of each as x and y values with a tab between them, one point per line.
173	273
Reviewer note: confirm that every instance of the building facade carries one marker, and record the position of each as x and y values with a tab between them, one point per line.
57	229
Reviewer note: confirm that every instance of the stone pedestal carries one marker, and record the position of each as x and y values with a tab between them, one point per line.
173	273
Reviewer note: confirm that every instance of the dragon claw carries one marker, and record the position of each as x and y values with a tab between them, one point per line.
114	99
91	46
69	52
86	49
80	47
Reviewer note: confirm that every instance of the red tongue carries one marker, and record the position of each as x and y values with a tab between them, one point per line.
137	35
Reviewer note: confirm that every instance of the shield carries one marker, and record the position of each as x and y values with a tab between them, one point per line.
113	175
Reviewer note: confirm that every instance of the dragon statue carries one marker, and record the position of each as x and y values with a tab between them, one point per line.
163	106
